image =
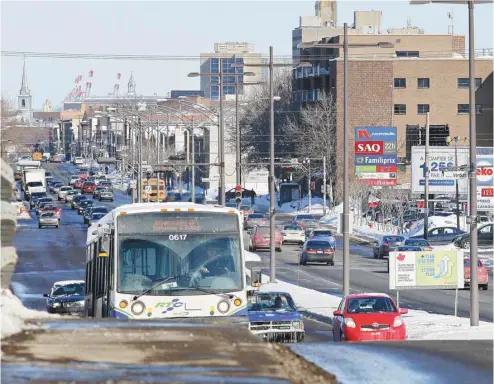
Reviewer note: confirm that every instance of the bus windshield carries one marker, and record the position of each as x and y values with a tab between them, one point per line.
195	250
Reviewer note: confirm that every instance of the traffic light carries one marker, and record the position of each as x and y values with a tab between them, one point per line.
238	194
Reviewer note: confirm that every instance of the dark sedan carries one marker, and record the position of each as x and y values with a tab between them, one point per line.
317	251
485	237
66	297
440	235
83	205
387	244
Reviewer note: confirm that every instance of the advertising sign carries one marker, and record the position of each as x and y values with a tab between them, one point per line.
376	155
426	270
441	181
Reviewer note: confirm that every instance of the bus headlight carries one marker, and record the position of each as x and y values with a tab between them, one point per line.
223	306
237	302
137	308
123	304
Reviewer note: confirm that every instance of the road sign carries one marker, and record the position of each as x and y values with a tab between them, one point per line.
376	158
426	270
205	179
455	175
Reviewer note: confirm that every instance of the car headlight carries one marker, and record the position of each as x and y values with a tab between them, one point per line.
398	321
297	324
56	305
349	322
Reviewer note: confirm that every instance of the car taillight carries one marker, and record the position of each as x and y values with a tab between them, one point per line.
328	251
398	321
283	233
386	244
311	251
349	322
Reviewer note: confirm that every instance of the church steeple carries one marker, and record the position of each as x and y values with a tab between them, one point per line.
24	91
131	86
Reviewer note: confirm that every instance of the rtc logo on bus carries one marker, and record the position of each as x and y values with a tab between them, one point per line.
170	306
369	148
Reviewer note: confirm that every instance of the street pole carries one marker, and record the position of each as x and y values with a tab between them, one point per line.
309	184
193	173
139	165
457	187
346	203
272	195
474	287
221	186
324	186
426	181
237	133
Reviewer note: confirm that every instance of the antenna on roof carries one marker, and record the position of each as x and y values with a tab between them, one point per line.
409	22
451	27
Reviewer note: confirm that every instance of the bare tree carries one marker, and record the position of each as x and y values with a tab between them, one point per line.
7	127
313	133
359	192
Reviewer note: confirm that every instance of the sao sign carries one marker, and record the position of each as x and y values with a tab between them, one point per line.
426	270
369	148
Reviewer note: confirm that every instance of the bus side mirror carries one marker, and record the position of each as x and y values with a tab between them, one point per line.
256	276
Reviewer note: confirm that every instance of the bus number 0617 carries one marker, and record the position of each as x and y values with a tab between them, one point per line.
177	237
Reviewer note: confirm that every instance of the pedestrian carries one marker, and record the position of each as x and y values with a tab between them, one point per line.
252	197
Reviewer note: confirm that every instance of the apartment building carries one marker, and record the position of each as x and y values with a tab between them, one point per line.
229	53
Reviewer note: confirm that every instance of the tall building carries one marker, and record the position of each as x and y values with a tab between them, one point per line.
229	53
24	99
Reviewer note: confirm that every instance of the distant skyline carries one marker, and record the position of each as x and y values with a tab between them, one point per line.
182	28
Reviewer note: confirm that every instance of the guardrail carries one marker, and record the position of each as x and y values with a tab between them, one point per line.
8	223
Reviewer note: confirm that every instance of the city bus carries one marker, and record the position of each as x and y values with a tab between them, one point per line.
166	260
153	196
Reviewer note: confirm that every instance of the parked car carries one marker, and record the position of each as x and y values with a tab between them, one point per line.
253	219
484	235
292	233
422	243
482	274
48	219
260	238
273	316
83	205
386	244
317	251
440	235
66	297
77	200
106	194
69	196
88	187
368	317
63	191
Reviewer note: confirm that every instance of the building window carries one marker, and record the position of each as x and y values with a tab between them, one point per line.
422	109
23	103
463	109
423	83
407	53
400	109
464	82
400	83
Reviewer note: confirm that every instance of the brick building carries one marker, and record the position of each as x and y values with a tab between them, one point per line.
397	86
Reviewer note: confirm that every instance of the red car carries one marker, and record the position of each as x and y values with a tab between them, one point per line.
52	208
88	187
78	184
260	236
368	317
482	274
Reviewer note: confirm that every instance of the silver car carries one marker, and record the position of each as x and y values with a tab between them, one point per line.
48	219
106	195
63	191
293	233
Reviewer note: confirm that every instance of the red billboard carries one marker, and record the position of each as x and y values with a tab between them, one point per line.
381	182
386	168
487	192
369	147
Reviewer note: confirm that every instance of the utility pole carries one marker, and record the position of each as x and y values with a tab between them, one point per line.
309	185
474	287
457	186
272	195
426	181
237	134
346	192
324	186
139	165
221	186
193	171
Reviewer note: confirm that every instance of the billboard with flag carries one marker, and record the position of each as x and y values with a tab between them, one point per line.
426	270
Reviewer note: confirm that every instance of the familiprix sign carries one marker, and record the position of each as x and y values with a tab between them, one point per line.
426	270
376	155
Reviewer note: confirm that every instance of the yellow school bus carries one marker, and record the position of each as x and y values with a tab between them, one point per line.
153	195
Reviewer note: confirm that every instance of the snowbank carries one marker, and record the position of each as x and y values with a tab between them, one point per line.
436	221
421	325
22	211
14	314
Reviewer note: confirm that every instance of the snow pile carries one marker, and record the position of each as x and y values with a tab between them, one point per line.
22	211
14	314
420	325
417	227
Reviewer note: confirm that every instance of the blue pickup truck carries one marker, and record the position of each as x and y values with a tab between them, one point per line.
273	316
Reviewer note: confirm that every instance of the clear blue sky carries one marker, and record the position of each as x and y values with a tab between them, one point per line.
173	28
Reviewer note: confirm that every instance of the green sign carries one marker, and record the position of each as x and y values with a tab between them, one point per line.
366	169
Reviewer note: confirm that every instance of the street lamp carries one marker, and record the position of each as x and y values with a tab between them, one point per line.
221	133
346	204
272	196
474	288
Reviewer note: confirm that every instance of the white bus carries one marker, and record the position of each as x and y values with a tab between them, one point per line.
168	260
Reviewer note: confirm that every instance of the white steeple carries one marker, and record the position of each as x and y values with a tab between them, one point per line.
131	86
24	99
